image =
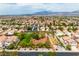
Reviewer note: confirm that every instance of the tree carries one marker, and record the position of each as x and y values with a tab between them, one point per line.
61	28
20	35
40	45
29	28
61	44
68	47
25	39
47	45
11	46
51	53
4	28
74	28
23	43
35	36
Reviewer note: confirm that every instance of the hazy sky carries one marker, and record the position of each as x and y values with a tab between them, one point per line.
20	8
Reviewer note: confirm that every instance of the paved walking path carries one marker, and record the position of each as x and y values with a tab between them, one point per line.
39	50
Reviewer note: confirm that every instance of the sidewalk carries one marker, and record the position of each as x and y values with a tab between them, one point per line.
39	50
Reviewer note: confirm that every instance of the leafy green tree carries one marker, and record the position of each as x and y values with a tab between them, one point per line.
23	43
40	45
29	28
35	36
11	46
26	38
51	53
47	45
20	35
68	47
61	28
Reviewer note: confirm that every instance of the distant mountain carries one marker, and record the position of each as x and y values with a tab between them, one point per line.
74	13
44	12
77	11
50	13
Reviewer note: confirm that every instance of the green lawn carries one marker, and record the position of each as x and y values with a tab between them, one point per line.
25	38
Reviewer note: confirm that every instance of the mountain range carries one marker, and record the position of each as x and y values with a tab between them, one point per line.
50	13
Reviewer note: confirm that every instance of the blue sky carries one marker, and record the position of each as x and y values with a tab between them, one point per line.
22	8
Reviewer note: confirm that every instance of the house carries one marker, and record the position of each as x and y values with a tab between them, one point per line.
10	33
7	40
12	38
67	33
2	40
59	33
42	28
67	39
47	28
77	40
76	33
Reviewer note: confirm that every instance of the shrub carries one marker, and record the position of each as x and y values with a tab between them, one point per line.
68	47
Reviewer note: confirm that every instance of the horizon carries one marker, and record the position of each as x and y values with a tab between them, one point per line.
30	8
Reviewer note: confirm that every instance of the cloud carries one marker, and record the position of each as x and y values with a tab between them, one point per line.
42	6
22	8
